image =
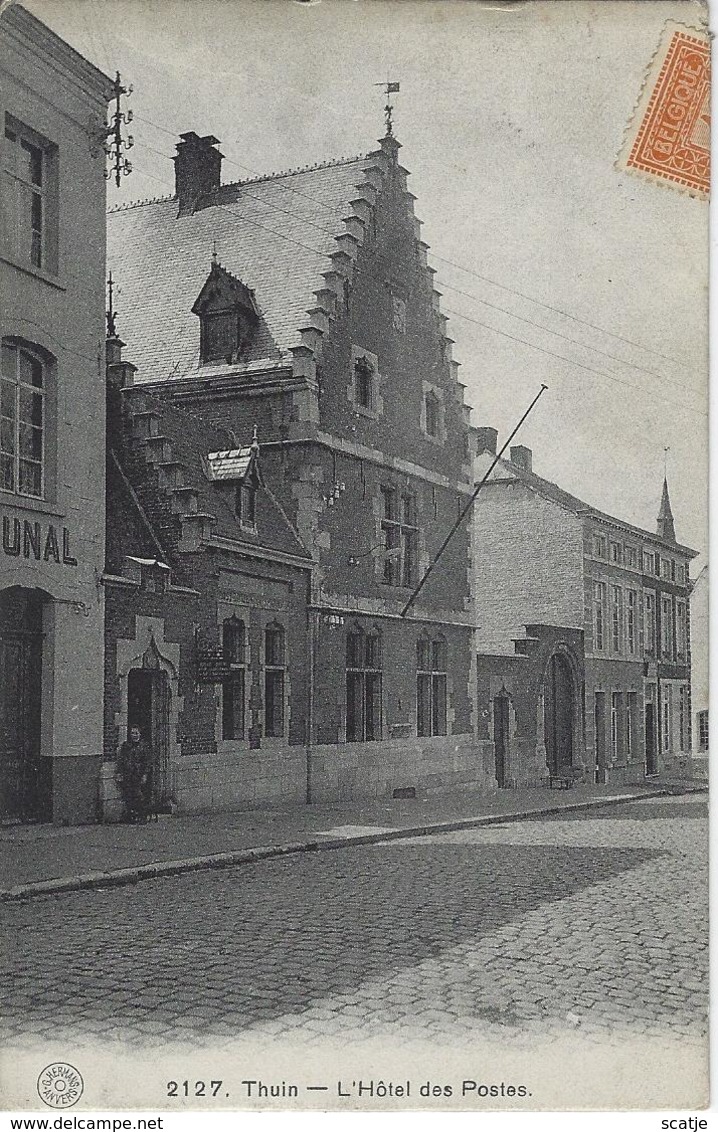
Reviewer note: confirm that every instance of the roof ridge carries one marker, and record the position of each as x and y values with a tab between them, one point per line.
123	206
291	172
282	173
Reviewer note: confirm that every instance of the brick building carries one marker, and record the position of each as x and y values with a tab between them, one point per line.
583	631
316	323
52	428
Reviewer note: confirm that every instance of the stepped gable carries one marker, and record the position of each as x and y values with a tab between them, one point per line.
177	442
291	238
161	261
128	530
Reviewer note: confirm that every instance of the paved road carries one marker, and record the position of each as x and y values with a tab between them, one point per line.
595	921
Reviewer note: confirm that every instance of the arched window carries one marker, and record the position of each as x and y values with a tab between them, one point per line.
274	671
233	688
22	421
431	686
363	682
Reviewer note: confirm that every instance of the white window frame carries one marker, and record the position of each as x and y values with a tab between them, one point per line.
15	383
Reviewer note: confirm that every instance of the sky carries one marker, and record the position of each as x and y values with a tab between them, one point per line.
553	266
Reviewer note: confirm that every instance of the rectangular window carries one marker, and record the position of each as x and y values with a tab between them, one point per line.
246	504
667	627
599	546
630	557
683	718
233	648
631	711
616	704
631	624
666	568
616	619
616	553
274	668
26	177
649	600
364	384
681	628
599	600
363	687
703	730
649	564
431	687
666	715
22	381
400	537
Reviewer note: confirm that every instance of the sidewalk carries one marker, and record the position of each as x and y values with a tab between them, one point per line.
46	858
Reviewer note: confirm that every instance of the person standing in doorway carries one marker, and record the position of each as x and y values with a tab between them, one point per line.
134	767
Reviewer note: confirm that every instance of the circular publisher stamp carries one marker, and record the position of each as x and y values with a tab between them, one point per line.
60	1085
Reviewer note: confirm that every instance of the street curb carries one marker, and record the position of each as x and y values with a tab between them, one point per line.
317	843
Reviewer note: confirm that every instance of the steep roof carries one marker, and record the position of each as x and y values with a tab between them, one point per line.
274	233
506	472
192	438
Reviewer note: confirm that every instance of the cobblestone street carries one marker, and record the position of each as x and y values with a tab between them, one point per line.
591	921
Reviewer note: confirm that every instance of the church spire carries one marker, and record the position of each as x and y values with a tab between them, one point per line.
665	526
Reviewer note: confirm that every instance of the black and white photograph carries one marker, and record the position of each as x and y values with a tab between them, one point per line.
354	724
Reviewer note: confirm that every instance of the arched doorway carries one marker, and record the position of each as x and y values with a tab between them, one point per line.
24	787
148	707
559	712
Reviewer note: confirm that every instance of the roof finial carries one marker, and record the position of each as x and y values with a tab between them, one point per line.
389	89
255	442
666	450
215	261
111	327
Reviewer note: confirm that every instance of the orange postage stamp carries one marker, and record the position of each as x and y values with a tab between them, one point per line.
669	137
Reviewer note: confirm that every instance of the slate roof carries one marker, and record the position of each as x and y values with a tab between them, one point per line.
274	233
550	490
230	465
193	438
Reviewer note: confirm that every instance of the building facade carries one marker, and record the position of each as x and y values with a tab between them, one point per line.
316	323
52	438
700	666
583	626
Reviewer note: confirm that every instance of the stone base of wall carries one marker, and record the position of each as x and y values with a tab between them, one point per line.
353	771
74	789
634	774
111	805
246	780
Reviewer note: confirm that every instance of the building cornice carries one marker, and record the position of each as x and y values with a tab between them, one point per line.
31	34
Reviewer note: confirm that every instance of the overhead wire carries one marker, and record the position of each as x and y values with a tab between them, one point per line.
474	298
569	361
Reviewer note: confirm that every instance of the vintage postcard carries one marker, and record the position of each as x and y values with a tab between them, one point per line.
354	574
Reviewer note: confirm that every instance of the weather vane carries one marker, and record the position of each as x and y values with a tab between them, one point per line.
389	89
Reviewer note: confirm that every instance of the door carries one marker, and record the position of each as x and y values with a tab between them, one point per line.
558	714
20	786
651	754
501	738
148	707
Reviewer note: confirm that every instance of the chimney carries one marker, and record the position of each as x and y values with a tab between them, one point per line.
486	439
198	166
521	457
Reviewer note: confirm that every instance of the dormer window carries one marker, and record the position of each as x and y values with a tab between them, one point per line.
245	503
228	317
238	468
